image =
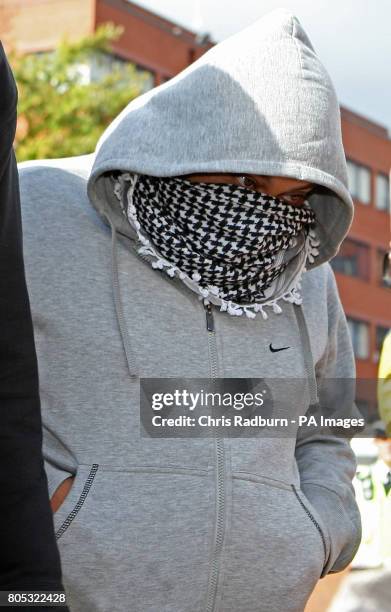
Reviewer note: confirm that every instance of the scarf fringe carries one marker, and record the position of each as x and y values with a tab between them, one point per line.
249	310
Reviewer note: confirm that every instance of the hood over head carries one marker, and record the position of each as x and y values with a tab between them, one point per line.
260	102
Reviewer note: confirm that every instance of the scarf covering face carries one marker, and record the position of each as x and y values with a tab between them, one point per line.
225	241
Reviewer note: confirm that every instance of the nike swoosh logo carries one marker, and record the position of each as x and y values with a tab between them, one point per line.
276	350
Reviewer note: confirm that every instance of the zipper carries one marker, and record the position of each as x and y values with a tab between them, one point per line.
220	466
210	326
220	474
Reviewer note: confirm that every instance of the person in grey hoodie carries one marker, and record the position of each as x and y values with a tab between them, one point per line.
194	243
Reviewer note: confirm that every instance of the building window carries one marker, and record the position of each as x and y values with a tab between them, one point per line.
380	255
382	192
359	332
359	179
353	259
100	64
381	333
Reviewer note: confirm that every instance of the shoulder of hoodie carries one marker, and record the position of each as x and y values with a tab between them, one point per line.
42	181
320	294
79	165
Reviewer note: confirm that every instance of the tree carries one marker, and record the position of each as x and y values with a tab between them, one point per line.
61	112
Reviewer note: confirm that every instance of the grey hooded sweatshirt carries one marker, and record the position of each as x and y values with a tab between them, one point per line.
207	524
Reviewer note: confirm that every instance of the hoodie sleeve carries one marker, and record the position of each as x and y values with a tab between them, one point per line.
326	462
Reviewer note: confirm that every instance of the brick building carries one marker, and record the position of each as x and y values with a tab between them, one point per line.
153	43
164	48
358	266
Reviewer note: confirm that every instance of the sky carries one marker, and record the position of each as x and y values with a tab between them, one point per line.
351	37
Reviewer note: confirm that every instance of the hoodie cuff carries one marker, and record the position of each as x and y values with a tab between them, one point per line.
341	523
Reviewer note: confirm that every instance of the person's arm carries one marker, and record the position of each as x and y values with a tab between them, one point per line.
61	493
29	558
327	463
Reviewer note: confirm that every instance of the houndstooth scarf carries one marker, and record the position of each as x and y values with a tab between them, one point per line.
225	241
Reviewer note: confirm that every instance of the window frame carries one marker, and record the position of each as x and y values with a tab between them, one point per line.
358	321
360	244
387	207
358	166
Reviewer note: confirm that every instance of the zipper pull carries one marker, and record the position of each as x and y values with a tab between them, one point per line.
210	326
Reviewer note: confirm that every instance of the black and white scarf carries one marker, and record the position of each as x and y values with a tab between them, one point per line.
225	241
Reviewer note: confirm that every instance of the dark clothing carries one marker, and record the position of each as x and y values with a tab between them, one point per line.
29	559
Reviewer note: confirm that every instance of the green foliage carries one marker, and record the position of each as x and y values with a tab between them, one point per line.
60	113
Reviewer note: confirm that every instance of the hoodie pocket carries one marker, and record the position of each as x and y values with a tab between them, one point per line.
75	500
316	520
274	553
137	539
